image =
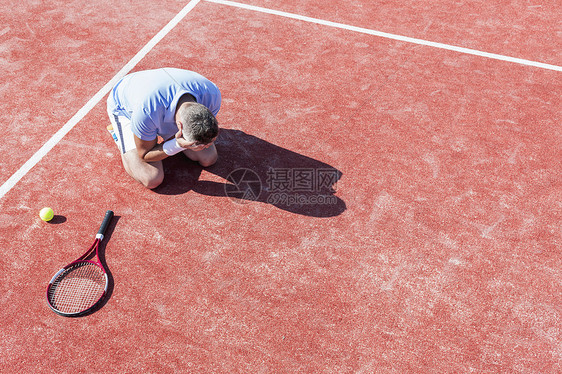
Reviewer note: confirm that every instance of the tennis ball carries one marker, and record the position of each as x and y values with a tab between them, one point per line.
46	214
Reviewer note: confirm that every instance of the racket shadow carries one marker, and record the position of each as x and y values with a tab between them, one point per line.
101	255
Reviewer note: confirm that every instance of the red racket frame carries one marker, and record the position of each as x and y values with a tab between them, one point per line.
95	246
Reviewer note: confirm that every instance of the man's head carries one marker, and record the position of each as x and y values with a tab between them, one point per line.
198	123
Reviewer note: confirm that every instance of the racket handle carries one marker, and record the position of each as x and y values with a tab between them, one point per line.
104	224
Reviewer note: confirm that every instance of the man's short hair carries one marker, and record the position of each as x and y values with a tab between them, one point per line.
198	122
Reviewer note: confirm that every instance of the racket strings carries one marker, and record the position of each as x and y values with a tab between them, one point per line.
77	288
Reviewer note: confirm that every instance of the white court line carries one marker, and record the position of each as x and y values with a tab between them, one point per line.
57	137
390	36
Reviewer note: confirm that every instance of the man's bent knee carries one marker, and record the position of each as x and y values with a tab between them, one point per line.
152	182
150	175
209	161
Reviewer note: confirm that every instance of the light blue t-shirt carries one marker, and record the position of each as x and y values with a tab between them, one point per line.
149	99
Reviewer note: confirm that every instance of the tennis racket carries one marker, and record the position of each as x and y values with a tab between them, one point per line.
78	287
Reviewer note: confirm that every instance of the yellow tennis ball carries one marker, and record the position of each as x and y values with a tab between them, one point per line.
46	214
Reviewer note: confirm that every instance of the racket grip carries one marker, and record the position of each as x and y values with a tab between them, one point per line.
104	224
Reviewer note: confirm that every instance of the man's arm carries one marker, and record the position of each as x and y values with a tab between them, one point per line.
149	150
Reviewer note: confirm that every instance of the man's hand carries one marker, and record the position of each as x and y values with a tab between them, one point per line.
192	145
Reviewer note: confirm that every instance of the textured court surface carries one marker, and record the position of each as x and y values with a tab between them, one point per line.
410	206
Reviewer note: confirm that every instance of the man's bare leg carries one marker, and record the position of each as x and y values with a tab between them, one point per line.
206	157
149	174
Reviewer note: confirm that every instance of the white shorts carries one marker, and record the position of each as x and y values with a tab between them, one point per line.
123	135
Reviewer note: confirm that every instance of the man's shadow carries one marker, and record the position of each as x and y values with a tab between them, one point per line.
256	170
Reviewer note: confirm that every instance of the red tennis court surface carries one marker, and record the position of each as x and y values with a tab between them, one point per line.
410	197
